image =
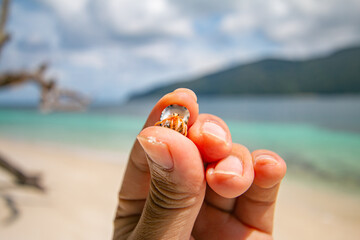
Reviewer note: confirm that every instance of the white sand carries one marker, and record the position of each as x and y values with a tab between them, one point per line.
82	189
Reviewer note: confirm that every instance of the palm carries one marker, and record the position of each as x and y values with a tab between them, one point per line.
222	218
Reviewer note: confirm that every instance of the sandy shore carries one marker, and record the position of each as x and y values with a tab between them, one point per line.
81	198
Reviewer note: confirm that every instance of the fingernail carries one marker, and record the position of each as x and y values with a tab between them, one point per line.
265	159
157	151
231	162
214	130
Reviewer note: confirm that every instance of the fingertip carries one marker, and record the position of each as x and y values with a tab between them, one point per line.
233	175
183	97
269	168
188	91
212	136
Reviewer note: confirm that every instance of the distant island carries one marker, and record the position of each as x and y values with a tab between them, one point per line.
338	73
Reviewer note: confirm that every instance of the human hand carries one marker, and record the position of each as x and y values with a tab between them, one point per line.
201	186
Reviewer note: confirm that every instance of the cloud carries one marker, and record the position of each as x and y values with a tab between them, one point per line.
204	8
112	48
91	59
298	27
87	23
149	16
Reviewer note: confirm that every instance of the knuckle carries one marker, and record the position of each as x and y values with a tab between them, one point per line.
168	194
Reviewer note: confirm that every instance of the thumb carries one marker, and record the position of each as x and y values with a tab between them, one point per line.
177	185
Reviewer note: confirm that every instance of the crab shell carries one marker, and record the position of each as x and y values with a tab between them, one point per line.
175	117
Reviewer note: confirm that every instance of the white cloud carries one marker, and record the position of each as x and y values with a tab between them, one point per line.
148	16
309	25
90	58
110	48
67	8
238	23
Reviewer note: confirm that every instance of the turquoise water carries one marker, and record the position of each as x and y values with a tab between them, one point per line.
331	153
79	129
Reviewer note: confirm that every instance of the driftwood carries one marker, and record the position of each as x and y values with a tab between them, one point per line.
51	98
14	212
10	79
21	177
4	37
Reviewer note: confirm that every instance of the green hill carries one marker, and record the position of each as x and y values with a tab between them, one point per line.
336	74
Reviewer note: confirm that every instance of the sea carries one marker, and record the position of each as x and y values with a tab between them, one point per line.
318	136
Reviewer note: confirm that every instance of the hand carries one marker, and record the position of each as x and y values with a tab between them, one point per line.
167	193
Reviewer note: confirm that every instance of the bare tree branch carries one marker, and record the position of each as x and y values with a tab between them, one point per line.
4	13
20	77
52	97
4	37
13	209
22	178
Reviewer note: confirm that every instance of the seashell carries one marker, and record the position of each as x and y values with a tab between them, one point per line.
182	111
175	117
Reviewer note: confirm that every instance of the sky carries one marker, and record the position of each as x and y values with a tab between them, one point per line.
111	49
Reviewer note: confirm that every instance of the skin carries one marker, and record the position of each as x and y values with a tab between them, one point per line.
202	186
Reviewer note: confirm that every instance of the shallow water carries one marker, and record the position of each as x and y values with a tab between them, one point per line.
315	135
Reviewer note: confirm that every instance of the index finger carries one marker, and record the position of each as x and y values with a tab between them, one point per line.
135	186
181	96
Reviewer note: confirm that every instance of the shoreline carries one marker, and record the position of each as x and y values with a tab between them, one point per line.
81	197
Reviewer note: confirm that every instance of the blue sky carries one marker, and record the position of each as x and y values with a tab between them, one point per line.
110	49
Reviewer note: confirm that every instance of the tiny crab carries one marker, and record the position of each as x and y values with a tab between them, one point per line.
175	117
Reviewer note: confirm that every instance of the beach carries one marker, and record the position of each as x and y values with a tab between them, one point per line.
81	195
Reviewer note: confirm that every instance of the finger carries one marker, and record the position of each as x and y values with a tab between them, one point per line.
212	137
269	168
177	185
227	179
188	91
233	175
136	181
182	96
256	207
